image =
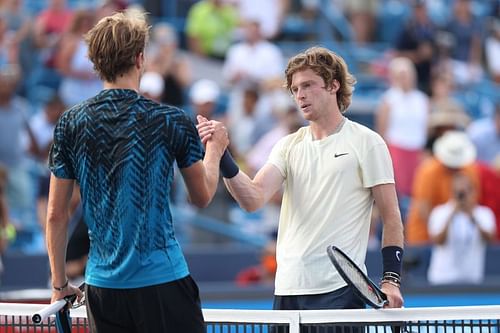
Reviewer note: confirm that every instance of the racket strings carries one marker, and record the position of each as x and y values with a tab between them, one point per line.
359	281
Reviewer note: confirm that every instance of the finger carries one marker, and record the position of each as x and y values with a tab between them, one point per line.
201	119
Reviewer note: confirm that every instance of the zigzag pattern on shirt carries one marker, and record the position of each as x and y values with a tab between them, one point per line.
123	154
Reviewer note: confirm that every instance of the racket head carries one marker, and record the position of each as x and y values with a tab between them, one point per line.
368	291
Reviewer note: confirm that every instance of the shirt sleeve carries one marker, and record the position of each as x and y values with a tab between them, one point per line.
376	166
60	155
189	148
278	156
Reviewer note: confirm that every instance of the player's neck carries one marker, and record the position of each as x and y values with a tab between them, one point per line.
125	81
327	126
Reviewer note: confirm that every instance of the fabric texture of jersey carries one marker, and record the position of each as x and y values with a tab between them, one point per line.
327	201
121	149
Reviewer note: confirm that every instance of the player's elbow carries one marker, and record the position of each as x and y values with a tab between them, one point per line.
249	207
200	199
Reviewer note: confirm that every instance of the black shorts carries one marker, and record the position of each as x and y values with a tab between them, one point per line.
169	308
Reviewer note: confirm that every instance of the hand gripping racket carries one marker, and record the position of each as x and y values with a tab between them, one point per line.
368	291
61	309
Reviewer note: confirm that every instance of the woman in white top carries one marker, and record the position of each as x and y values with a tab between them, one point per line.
402	121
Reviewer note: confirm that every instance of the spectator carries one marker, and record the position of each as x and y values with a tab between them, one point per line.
466	49
492	51
416	42
79	80
210	26
402	121
42	126
445	116
109	7
18	22
489	192
485	134
270	14
164	58
152	86
363	17
258	61
13	145
49	26
460	229
7	230
9	53
445	112
453	152
19	31
204	95
242	129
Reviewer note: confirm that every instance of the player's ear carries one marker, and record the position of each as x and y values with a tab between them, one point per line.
139	60
335	86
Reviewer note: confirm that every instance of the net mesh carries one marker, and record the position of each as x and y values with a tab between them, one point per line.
476	319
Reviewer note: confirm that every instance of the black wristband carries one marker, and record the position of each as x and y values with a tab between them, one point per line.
61	288
392	257
228	167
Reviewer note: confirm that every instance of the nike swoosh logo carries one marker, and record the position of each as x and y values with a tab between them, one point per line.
398	253
338	155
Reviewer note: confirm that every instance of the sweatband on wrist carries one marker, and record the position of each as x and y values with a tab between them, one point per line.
392	259
228	167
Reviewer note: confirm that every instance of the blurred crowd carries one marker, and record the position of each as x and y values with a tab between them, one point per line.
432	77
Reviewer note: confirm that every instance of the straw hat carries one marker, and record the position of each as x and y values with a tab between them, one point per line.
448	114
454	149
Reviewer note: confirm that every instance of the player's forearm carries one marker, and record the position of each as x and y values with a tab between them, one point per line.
56	247
245	192
393	234
211	163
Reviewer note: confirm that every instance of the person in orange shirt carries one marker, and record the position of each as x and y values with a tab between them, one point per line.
453	152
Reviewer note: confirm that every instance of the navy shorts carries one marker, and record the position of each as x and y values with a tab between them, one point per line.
343	298
169	308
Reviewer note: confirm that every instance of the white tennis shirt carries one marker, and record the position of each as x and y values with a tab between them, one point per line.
327	201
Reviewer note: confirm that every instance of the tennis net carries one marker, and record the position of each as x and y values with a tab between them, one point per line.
468	319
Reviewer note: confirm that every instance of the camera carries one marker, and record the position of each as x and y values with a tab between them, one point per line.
461	195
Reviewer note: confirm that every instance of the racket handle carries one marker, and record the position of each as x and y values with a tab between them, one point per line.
47	311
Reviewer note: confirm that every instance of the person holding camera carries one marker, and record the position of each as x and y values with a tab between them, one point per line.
460	230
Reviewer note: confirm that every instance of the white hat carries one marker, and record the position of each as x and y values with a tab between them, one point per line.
204	91
152	83
454	149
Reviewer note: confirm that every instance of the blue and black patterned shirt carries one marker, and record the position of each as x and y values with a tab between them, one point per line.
121	148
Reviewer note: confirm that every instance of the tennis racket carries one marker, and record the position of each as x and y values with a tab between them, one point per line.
61	309
368	291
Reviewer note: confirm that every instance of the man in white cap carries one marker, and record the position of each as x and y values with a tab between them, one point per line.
453	152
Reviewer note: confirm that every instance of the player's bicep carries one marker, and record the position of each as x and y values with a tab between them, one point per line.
60	194
269	180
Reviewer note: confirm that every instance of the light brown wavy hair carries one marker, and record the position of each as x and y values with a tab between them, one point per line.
115	42
329	66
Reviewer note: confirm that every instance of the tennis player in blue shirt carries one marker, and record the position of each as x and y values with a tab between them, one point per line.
121	148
